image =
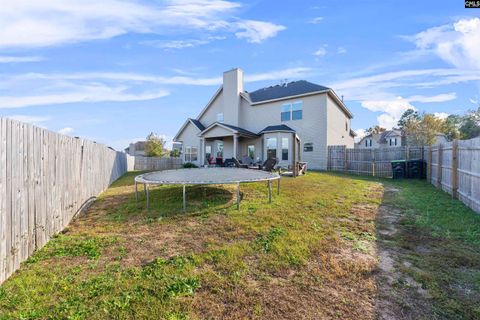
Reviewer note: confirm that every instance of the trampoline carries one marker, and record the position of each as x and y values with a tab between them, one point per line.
205	176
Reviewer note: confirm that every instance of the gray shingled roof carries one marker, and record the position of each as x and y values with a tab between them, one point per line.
240	130
280	127
199	125
293	88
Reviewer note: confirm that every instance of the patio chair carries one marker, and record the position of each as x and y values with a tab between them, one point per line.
269	164
246	160
219	162
229	163
239	165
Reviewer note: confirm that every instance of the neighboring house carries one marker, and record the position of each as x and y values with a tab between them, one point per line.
292	122
386	139
390	139
136	149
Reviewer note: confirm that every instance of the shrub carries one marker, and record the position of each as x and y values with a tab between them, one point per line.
190	165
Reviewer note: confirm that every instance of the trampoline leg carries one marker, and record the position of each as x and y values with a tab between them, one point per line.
148	196
184	200
238	196
269	191
136	192
278	186
145	189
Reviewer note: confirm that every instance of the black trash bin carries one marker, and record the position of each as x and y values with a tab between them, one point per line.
416	169
399	169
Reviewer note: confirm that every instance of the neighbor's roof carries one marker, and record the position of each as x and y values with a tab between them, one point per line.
293	88
280	127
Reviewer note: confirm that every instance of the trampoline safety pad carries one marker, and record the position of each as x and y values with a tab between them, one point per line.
205	176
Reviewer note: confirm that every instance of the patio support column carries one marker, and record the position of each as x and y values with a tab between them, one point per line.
201	152
235	145
294	153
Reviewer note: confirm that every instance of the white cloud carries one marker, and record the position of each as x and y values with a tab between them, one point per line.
341	50
78	93
441	115
31	23
457	43
66	130
360	134
392	110
320	52
181	44
257	31
437	98
29	119
316	20
36	89
18	59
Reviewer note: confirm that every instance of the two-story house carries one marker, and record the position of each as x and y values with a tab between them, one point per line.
391	139
291	122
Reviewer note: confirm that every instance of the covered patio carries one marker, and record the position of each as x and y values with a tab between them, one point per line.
221	141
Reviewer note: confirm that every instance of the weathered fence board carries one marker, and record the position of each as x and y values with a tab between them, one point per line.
45	179
374	162
153	163
455	168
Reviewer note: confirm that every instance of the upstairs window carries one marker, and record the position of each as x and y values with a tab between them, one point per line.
292	111
297	110
308	147
285	116
220	117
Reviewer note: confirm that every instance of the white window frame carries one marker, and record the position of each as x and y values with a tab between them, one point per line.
290	110
220	117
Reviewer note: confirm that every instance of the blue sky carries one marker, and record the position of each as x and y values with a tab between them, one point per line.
113	71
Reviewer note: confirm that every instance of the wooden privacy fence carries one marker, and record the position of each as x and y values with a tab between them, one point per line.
455	168
154	163
374	162
45	179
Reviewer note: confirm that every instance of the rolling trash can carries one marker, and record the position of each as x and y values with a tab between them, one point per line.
399	169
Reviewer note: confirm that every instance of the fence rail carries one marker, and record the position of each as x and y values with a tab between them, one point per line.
154	163
45	179
374	162
455	168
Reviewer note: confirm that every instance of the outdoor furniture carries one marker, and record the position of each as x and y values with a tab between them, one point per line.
229	163
247	160
204	176
219	162
301	169
269	164
239	165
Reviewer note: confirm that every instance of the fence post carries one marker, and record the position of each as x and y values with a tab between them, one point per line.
373	161
439	165
455	169
345	158
429	163
407	153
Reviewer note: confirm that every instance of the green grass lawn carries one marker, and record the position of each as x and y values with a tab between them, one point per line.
312	253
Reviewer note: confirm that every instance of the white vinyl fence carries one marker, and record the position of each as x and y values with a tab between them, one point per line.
45	179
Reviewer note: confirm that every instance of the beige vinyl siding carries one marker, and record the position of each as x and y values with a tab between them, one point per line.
337	134
216	107
312	128
189	138
243	145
